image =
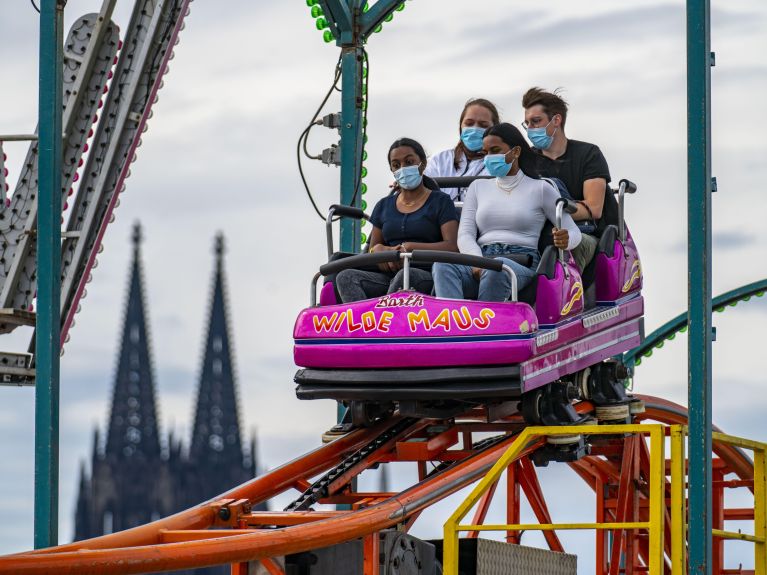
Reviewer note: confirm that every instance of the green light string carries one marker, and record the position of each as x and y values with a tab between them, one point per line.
319	20
683	329
364	170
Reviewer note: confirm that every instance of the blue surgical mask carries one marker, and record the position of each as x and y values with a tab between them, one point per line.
408	177
496	165
472	138
540	138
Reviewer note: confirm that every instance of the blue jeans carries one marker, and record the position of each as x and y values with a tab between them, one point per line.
457	282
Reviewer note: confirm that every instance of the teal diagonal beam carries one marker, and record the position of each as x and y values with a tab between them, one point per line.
679	323
376	15
338	15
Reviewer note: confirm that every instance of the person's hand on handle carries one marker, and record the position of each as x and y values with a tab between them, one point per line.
561	238
387	266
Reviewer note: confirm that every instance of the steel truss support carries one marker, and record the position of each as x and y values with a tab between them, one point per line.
699	62
49	279
352	27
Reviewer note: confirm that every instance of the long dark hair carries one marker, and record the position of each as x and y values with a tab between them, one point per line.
460	149
410	143
528	161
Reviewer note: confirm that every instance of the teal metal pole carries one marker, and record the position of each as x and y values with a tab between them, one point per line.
48	277
699	61
351	139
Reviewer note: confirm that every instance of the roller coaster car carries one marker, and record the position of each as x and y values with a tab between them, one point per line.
430	355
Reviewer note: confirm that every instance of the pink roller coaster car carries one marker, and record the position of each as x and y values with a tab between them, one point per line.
430	356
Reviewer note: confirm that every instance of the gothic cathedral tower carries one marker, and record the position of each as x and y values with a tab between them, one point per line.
134	479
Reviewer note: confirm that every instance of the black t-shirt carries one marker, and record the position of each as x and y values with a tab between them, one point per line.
421	226
580	162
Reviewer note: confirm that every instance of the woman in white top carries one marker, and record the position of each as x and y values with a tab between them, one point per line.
466	158
503	216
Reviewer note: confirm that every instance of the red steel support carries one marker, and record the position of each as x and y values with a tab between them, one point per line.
532	489
371	560
512	501
482	508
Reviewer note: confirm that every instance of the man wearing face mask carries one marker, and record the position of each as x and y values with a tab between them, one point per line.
579	165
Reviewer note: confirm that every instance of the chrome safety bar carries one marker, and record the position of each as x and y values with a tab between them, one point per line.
406	257
560	210
329	231
621	222
18	137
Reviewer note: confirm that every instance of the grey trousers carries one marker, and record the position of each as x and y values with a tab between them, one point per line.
584	251
356	285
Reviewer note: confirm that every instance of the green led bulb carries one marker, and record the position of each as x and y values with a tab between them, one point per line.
401	7
364	155
365	139
317	11
363	239
389	18
321	23
364	71
364	105
327	35
364	206
364	172
365	8
311	2
364	188
378	28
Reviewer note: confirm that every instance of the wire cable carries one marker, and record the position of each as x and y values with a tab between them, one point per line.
305	134
34	6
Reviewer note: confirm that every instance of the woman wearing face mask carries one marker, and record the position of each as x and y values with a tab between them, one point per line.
417	216
466	158
503	216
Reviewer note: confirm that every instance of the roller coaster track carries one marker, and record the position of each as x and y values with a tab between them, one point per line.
224	530
668	331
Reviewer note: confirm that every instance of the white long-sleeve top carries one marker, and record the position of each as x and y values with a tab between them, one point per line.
509	210
442	165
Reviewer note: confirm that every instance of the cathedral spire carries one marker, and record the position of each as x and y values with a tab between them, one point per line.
216	437
133	428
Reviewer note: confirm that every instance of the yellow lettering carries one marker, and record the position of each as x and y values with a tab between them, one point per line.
368	321
462	318
323	322
385	321
420	317
443	320
350	322
485	315
340	321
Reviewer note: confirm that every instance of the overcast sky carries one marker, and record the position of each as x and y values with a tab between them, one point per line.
220	155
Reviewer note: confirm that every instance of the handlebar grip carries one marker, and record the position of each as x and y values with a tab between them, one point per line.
570	206
359	261
433	256
631	187
349	212
458	181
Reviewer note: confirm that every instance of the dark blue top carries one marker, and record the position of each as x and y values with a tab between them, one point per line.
422	226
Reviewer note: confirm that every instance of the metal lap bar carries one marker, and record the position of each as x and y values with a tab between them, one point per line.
655	525
621	221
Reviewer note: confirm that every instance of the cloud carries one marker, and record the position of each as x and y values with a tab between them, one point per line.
220	154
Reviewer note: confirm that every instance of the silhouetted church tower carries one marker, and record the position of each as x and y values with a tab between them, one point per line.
216	450
133	478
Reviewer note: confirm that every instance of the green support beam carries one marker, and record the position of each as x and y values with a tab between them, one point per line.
47	347
699	61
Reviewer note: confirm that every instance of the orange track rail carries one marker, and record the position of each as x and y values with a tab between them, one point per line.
181	541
